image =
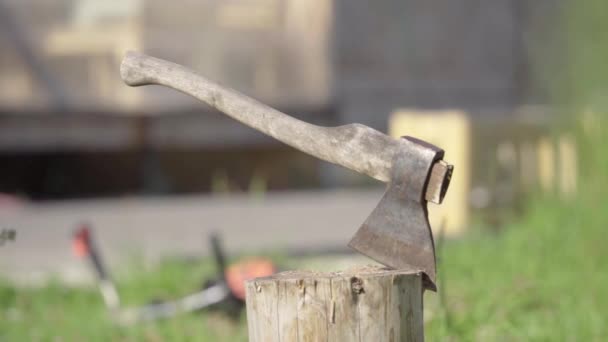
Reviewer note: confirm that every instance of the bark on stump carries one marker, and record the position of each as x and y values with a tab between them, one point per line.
364	304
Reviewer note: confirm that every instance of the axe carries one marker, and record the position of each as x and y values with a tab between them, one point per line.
397	233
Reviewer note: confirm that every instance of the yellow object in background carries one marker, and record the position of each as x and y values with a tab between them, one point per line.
450	130
558	165
546	164
568	166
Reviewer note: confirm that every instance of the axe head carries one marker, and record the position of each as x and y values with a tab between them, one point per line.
397	233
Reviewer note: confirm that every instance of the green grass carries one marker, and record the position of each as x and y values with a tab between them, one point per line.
543	279
58	313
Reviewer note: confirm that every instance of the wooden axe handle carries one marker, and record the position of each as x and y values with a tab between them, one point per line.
354	146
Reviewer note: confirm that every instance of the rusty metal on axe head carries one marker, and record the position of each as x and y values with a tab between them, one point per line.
397	233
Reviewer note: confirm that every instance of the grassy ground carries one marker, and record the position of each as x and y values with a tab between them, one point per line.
57	313
544	278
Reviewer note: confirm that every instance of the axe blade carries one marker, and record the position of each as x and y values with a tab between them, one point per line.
397	233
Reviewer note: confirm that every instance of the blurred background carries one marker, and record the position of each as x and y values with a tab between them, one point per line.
514	91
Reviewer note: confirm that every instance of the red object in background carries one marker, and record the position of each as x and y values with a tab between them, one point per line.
236	274
81	244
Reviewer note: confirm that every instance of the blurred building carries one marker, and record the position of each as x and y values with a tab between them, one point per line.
289	53
69	127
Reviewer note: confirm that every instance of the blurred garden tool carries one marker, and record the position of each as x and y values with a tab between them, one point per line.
397	233
83	246
226	291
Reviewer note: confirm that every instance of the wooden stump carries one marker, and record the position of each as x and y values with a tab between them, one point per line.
364	304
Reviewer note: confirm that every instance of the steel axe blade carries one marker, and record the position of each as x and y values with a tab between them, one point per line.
398	233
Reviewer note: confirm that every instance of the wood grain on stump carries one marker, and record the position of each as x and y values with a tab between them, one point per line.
362	304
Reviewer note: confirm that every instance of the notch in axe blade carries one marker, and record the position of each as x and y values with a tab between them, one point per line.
397	234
